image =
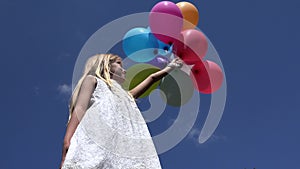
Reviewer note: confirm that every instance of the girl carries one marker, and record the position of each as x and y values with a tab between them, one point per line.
106	130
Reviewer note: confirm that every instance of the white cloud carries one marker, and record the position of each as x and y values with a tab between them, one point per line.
65	89
195	133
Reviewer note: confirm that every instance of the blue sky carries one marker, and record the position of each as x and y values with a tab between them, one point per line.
258	43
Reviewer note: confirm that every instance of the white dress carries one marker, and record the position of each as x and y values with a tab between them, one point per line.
112	134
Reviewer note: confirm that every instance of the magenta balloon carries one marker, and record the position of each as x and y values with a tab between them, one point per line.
165	21
168	8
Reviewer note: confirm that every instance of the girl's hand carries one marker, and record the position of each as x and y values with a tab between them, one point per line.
176	63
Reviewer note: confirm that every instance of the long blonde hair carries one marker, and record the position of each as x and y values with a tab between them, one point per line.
97	65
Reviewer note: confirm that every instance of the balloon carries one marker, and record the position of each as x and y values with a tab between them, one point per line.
165	21
177	88
159	61
196	46
136	74
140	45
190	15
207	76
178	45
164	49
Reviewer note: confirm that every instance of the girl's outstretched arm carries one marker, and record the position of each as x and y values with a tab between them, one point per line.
86	90
144	85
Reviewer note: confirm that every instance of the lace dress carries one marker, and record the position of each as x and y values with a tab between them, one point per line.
112	134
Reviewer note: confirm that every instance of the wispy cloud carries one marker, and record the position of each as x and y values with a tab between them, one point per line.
36	90
65	89
216	137
195	133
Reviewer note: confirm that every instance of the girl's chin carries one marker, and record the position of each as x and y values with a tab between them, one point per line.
120	79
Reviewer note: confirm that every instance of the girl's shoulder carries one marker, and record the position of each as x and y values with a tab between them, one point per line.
97	81
91	78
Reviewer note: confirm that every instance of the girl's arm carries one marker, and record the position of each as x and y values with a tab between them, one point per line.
144	85
86	90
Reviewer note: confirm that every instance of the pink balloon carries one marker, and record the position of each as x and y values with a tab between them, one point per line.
207	76
165	21
196	46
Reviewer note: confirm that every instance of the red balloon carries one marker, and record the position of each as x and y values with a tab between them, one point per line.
195	48
207	76
178	45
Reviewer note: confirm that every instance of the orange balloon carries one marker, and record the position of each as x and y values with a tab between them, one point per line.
190	15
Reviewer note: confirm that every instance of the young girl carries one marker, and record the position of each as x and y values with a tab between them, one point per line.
106	130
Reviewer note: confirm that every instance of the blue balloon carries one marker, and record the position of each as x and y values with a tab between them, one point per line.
164	49
140	45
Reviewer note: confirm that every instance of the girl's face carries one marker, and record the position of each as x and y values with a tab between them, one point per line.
117	72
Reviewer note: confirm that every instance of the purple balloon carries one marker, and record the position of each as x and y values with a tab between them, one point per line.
159	61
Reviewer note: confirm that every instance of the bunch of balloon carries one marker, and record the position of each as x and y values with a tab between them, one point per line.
175	24
172	31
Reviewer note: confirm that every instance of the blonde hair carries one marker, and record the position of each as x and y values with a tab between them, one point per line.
97	65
